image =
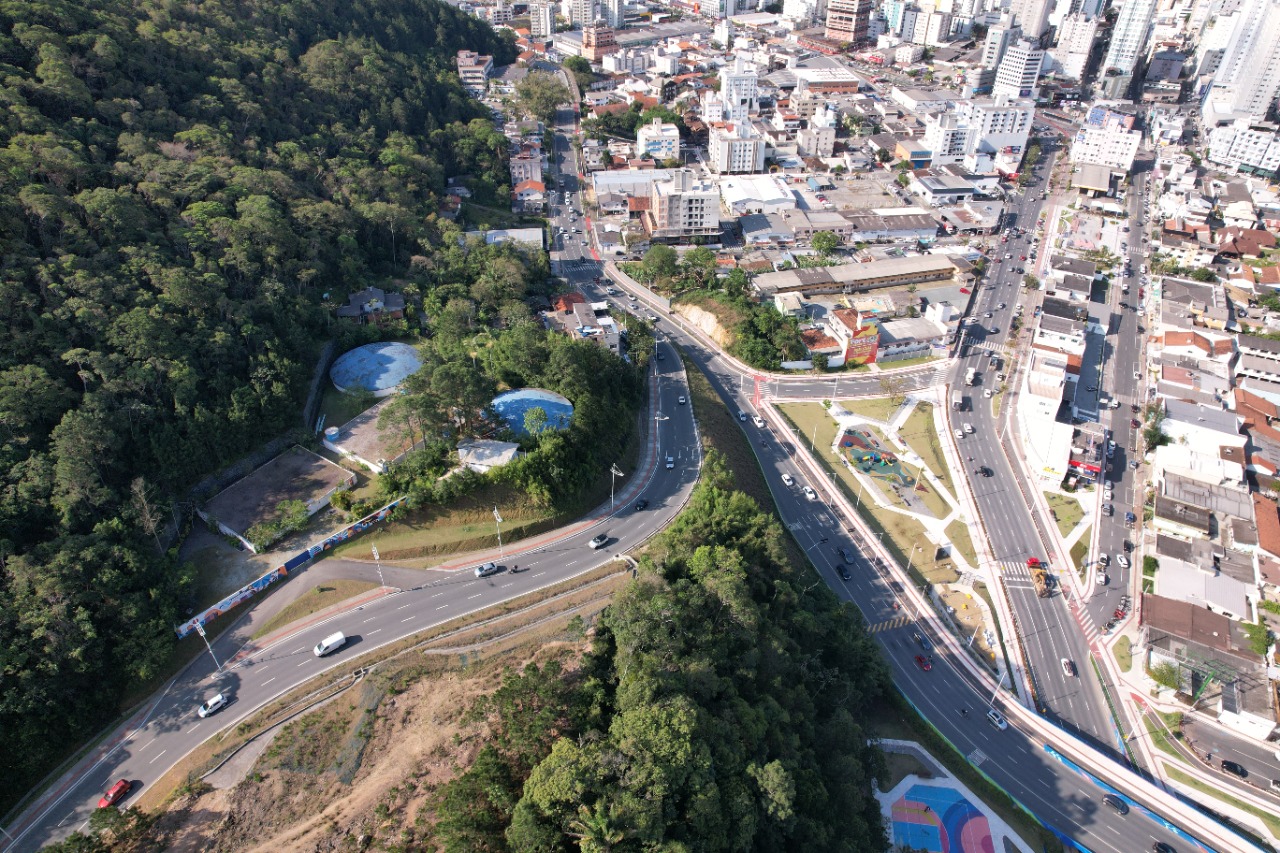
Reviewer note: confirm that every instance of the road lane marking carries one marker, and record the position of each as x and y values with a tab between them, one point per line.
162	752
505	585
371	633
437	595
538	575
402	607
304	663
410	619
370	619
477	595
144	746
268	681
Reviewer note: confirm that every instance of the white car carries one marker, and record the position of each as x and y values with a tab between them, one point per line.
211	706
968	428
758	421
986	392
598	542
1122	560
680	400
1068	668
1102	579
671	462
959	433
788	480
810	493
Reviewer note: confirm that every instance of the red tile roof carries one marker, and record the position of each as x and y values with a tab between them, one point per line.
565	301
1267	517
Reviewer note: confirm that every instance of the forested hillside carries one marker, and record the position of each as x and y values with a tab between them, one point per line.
179	185
724	706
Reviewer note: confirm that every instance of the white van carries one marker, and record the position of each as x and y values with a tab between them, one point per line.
331	643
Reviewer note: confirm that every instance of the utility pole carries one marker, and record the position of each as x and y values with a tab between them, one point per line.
377	560
200	630
613	478
497	522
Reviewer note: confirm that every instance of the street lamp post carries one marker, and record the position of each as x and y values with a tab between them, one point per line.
659	417
377	561
497	523
614	474
995	692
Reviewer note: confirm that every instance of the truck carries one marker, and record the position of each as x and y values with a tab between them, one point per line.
957	400
970	376
1040	577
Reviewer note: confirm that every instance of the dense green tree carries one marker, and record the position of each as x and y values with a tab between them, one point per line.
181	185
825	242
660	261
723	706
541	92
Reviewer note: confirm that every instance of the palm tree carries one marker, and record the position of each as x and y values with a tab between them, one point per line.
594	830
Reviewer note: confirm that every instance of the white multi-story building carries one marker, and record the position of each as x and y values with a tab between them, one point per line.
1246	146
629	59
1019	70
739	90
803	12
1111	146
659	140
1247	81
982	135
1032	16
1075	43
474	70
999	36
614	12
582	12
733	148
683	207
933	28
542	20
1128	45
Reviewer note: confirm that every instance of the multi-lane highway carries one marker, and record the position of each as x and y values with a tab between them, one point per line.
947	693
1049	633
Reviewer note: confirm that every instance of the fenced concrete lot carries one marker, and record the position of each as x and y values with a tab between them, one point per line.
295	475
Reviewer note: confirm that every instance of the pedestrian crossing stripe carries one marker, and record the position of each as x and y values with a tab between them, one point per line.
889	625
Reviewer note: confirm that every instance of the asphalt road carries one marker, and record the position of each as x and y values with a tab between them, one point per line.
1018	763
1049	631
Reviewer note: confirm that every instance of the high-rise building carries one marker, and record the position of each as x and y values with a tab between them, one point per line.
598	41
582	12
739	90
847	20
981	134
1019	70
734	148
1247	81
1032	16
999	36
1128	44
1246	146
615	13
1075	45
542	20
683	207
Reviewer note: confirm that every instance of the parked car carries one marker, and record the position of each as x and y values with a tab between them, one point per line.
115	793
1235	769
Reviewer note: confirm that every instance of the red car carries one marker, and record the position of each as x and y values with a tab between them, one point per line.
964	290
1023	257
924	663
115	793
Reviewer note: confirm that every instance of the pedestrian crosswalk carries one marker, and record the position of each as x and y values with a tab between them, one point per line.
890	624
992	346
